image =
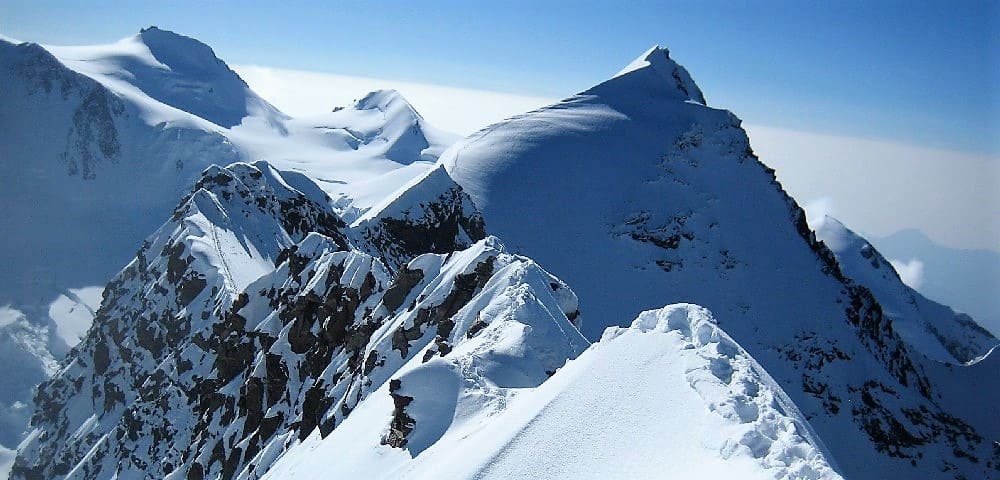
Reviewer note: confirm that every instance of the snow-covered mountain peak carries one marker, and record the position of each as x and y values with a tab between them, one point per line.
638	191
654	70
255	328
181	54
386	100
171	69
430	214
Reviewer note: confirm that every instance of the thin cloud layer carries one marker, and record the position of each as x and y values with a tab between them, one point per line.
460	110
881	187
911	272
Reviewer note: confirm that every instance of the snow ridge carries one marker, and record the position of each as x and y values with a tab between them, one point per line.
735	386
931	328
656	67
256	334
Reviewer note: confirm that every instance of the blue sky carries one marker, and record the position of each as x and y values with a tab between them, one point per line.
916	72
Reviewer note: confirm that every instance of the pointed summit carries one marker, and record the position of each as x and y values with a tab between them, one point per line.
385	100
184	55
172	69
384	120
654	70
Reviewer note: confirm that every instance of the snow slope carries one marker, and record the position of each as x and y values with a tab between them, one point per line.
89	126
640	194
671	396
248	331
172	70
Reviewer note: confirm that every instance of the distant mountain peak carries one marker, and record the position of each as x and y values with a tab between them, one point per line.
184	55
384	100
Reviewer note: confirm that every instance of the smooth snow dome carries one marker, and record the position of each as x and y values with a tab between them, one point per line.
173	69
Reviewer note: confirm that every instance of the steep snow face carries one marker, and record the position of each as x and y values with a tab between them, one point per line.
655	71
670	396
74	152
171	69
931	328
639	194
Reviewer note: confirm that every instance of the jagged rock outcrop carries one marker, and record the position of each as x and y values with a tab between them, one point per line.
99	142
430	215
222	236
256	326
249	321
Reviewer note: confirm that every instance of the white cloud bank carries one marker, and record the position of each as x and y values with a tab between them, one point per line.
817	210
912	272
879	187
459	110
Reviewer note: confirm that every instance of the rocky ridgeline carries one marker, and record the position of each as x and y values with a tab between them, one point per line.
196	369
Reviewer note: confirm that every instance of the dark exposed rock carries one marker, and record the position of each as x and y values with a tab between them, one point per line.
401	424
465	287
405	281
190	289
479	325
443	224
93	137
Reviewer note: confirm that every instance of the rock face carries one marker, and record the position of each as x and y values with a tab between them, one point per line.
638	191
430	215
